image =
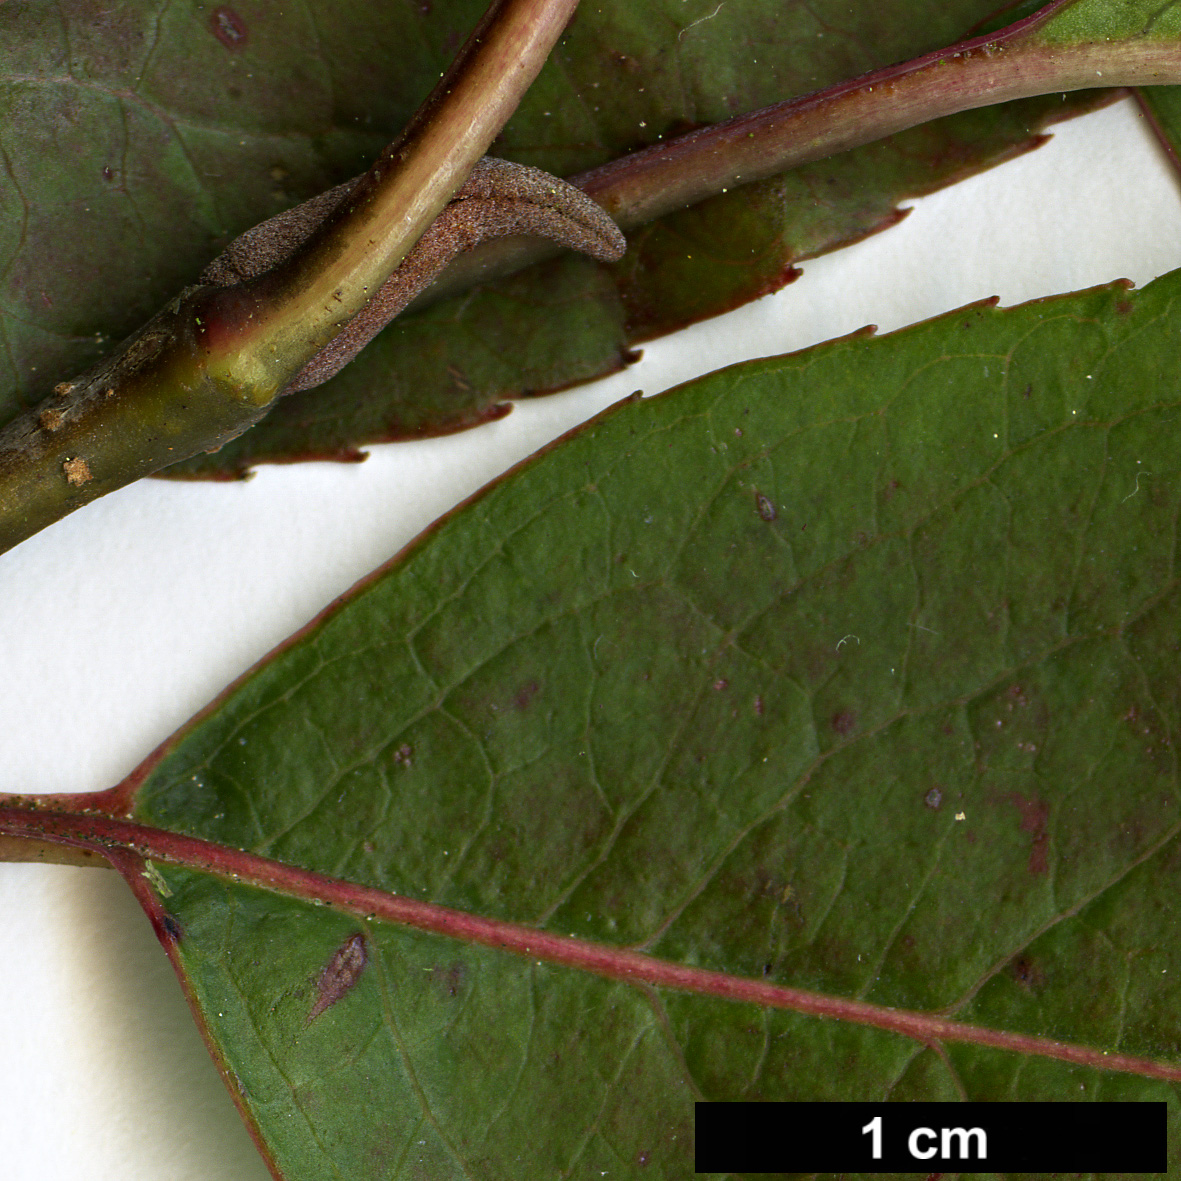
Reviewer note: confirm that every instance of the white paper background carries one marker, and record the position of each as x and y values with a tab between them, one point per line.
123	620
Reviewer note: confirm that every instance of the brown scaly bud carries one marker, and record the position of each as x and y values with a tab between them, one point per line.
499	199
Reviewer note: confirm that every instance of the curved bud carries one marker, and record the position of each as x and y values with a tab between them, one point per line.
500	199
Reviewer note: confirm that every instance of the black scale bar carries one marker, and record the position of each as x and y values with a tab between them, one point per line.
911	1137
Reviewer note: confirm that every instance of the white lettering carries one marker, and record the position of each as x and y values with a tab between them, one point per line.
913	1143
874	1128
964	1135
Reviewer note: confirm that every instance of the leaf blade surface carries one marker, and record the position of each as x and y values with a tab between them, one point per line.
851	671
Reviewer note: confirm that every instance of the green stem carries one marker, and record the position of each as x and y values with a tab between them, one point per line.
212	363
300	306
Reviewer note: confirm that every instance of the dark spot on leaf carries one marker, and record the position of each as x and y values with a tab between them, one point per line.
449	980
340	974
171	928
1027	391
933	798
1035	816
525	695
765	507
1123	306
844	721
404	755
767	969
228	27
759	706
1026	972
108	172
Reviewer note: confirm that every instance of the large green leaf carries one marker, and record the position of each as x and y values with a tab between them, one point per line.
852	671
172	128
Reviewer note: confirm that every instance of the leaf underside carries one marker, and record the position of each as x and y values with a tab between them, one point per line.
852	670
1162	104
137	142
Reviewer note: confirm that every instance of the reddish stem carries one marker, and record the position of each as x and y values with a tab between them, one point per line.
980	71
115	838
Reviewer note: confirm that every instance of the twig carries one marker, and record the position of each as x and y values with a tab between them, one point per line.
676	173
212	363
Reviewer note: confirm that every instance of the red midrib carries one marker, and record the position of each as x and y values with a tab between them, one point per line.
100	833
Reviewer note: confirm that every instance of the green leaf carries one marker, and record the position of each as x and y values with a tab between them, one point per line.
1162	106
851	671
739	246
1103	20
173	129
